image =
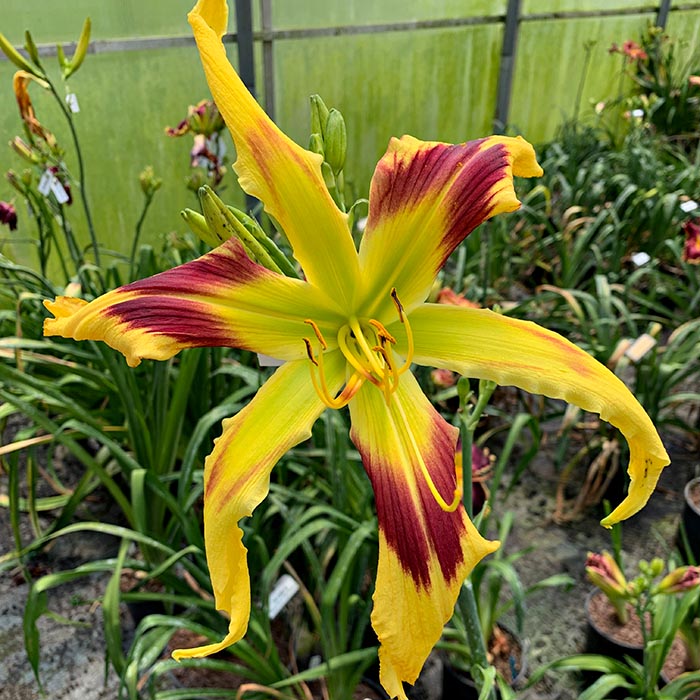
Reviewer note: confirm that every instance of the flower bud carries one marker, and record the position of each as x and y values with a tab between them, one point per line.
198	226
335	141
602	571
80	51
24	150
16	57
31	47
679	580
316	144
150	184
319	116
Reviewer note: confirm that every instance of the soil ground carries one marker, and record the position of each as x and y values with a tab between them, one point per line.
72	663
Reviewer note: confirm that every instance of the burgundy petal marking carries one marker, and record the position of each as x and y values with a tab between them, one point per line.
413	533
188	322
399	181
213	273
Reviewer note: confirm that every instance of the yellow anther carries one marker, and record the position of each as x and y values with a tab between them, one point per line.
319	335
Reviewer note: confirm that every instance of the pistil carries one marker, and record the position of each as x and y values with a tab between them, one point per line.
366	346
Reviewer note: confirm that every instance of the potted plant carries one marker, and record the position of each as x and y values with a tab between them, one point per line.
660	608
689	533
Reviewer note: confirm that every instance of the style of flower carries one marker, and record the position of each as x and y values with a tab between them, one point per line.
691	247
8	215
348	334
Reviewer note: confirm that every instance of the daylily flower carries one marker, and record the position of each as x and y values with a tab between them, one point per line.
20	85
348	334
691	247
8	215
203	118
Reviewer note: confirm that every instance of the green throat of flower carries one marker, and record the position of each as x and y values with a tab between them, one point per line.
367	347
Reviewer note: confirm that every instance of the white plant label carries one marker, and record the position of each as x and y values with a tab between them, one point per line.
72	100
285	589
640	258
44	186
58	191
690	205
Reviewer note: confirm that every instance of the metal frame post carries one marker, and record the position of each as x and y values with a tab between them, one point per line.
662	15
506	70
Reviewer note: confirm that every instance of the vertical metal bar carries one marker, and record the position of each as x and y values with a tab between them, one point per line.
268	57
244	43
662	15
506	70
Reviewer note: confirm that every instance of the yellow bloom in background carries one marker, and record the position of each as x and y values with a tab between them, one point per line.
348	334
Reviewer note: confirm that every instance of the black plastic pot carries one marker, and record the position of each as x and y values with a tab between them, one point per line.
689	533
459	685
598	641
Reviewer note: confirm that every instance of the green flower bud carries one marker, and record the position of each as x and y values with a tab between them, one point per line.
80	51
16	57
335	141
656	566
31	48
198	225
150	184
316	144
319	116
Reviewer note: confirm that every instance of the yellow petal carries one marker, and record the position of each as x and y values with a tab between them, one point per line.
425	198
271	167
222	299
237	479
425	550
482	344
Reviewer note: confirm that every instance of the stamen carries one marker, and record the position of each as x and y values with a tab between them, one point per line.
382	333
309	351
318	333
409	334
397	303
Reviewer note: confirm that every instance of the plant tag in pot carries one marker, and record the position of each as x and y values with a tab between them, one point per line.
285	589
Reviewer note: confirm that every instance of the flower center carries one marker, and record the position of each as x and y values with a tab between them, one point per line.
366	345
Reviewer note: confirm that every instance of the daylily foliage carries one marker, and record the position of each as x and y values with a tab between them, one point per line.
348	334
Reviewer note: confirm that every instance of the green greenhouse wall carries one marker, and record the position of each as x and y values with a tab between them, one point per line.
391	66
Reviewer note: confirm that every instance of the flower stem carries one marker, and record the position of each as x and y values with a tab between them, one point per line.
467	599
475	638
137	234
81	172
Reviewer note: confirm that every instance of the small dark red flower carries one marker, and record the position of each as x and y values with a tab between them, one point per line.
691	249
8	215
